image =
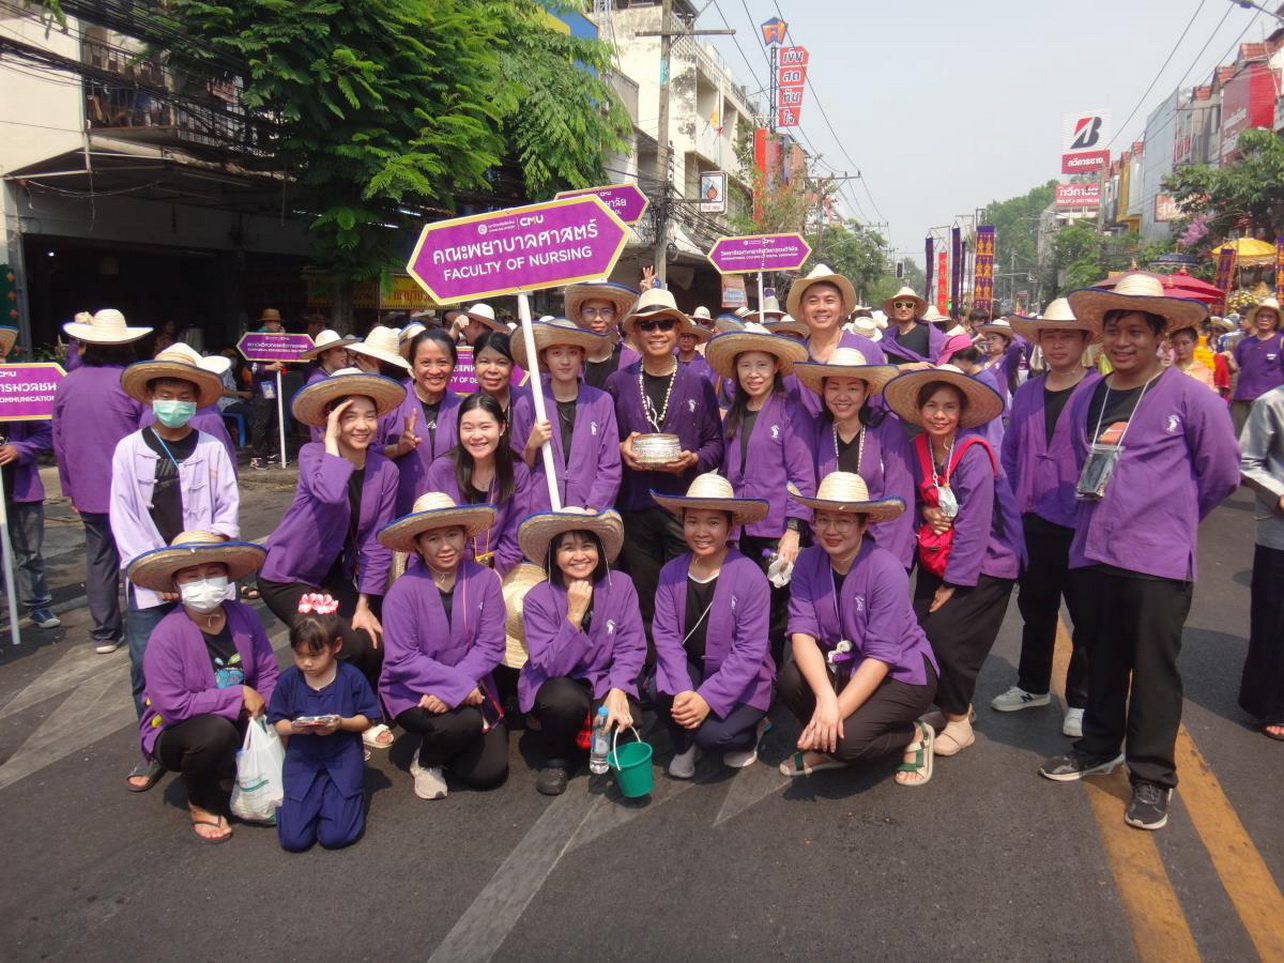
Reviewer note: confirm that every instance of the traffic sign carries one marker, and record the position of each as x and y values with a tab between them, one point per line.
28	390
520	249
270	346
759	252
625	201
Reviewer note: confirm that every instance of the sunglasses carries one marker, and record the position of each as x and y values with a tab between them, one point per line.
664	324
904	304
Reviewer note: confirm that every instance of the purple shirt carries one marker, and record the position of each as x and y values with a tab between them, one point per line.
91	413
317	527
180	676
1261	366
500	540
992	430
207	420
872	612
608	656
778	455
896	351
738	668
29	439
426	655
1180	459
413	466
701	367
590	477
1043	474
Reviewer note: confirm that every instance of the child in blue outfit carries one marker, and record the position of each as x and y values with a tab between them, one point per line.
320	707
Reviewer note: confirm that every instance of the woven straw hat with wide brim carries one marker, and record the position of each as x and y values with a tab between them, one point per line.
155	569
715	493
105	327
8	338
1000	327
722	351
844	363
382	344
789	326
480	312
324	341
407	337
538	531
557	331
519	580
846	492
309	405
932	316
983	403
1268	304
435	510
905	294
1057	316
820	274
657	303
622	297
1135	292
180	362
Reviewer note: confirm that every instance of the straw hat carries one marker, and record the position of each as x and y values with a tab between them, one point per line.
178	361
538	531
727	322
326	340
866	328
8	337
1269	304
105	327
270	314
480	312
1057	316
845	492
715	493
1135	292
155	569
622	297
933	316
845	363
999	326
657	303
701	314
310	403
519	580
905	294
435	510
983	402
1224	323
556	331
789	326
382	344
407	337
723	350
771	309
821	274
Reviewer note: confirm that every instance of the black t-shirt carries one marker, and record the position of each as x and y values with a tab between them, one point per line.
224	659
849	452
447	601
915	340
596	372
430	413
699	598
1053	403
657	391
167	495
749	419
355	481
1119	407
566	420
839	578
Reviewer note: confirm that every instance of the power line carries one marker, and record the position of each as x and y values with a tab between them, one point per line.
1211	35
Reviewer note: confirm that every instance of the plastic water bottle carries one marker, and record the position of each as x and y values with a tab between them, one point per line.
597	754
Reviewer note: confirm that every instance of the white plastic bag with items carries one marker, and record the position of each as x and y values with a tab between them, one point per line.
259	786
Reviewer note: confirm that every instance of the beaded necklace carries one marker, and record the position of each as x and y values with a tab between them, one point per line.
656	419
860	448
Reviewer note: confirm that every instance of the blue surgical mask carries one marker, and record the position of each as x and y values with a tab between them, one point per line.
173	414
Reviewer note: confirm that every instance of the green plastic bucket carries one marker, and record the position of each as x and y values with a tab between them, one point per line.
632	765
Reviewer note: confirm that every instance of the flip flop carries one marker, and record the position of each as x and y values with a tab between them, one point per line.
211	840
151	770
1270	735
923	754
249	592
800	768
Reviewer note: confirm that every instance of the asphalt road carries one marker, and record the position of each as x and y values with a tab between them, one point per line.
989	861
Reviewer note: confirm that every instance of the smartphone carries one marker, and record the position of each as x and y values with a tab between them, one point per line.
314	722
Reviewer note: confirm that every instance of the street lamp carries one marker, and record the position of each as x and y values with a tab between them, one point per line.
1250	5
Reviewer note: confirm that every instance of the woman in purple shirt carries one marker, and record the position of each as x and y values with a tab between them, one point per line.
1259	359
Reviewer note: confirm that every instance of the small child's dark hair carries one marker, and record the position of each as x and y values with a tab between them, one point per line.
315	633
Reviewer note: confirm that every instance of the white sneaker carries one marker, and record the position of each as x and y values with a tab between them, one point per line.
747	757
430	783
1073	725
107	648
682	766
1017	698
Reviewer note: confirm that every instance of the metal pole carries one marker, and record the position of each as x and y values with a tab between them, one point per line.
662	140
537	396
762	303
280	413
14	615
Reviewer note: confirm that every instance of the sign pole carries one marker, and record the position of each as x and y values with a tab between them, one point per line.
280	415
14	634
537	396
762	305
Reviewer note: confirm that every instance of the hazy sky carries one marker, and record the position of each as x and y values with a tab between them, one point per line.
945	105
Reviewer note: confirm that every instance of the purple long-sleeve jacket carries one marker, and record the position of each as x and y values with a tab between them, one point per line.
210	497
992	430
1042	474
988	538
608	656
500	540
1180	459
180	676
778	455
813	403
895	351
1261	366
873	612
207	420
29	439
590	476
316	526
738	667
412	467
692	415
884	464
91	413
425	655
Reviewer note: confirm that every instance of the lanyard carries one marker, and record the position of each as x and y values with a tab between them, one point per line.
168	454
1105	403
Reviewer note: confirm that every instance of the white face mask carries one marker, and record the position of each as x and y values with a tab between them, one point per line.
204	595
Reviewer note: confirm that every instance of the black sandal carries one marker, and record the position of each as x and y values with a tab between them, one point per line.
249	592
1262	728
151	770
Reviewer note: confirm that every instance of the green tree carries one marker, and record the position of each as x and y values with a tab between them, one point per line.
1248	194
1016	228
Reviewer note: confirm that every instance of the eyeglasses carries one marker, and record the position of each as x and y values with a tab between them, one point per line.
903	304
664	324
606	314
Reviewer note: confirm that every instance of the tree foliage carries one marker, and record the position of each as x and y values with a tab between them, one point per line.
1247	195
1016	228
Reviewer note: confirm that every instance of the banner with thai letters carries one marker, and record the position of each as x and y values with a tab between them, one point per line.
1279	269
983	271
1225	277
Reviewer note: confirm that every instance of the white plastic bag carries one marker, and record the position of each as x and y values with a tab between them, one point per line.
259	787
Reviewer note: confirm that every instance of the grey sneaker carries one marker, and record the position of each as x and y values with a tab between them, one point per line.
1017	698
430	783
1149	806
45	619
1072	726
107	647
1075	765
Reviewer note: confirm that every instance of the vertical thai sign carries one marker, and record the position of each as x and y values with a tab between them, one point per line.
943	282
956	268
1279	269
790	80
983	276
1226	259
929	266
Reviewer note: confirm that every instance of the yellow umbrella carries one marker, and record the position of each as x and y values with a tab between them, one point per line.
1251	252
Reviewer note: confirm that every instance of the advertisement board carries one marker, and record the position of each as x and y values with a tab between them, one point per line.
1088	162
1078	195
1087	130
1248	101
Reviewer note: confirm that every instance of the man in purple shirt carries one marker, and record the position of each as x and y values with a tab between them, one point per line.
1258	358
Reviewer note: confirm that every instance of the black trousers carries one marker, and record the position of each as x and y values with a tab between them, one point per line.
263	438
759	549
1134	630
883	724
738	732
203	750
962	632
358	649
1042	585
102	578
652	537
1261	687
454	740
562	705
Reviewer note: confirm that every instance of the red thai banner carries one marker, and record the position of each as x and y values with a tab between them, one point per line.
942	282
1226	259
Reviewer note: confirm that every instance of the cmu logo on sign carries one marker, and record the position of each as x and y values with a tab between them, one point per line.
1087	133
